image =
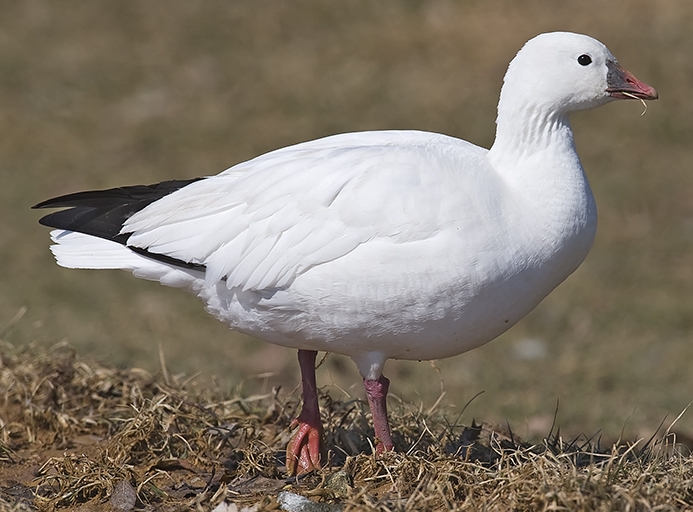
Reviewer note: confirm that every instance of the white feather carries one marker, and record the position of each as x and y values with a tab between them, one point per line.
77	250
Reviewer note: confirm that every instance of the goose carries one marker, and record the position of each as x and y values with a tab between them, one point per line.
376	245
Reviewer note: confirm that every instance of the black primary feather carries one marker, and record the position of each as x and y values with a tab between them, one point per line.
102	213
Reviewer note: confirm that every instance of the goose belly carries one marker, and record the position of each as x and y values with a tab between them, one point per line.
405	302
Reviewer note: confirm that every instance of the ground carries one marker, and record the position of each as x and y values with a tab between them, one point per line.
80	435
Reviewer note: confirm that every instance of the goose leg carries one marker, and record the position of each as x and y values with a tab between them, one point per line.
303	451
376	391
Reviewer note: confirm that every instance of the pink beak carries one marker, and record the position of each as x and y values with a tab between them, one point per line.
621	84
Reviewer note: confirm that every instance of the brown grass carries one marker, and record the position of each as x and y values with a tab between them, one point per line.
77	434
105	93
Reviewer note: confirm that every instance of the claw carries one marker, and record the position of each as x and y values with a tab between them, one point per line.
303	451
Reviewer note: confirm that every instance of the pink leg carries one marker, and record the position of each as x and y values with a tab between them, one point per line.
376	390
303	451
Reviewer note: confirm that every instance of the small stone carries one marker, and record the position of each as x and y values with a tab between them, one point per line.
296	503
226	507
124	496
339	483
232	507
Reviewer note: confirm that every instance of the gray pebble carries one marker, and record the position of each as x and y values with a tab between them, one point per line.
296	503
124	496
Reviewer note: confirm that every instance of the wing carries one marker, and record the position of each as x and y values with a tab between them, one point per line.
263	222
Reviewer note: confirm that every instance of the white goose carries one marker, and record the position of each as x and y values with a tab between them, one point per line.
375	245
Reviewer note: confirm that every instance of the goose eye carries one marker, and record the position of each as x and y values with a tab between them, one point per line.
584	60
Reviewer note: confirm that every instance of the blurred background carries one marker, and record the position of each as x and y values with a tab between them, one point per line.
101	94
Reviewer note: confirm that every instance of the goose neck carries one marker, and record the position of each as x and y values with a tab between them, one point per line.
525	131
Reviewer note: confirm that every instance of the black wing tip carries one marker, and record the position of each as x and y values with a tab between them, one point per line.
117	195
101	213
43	204
163	258
74	199
45	221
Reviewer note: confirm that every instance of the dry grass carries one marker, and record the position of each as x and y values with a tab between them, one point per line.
77	434
105	93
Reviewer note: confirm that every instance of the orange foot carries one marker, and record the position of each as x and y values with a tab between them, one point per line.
303	451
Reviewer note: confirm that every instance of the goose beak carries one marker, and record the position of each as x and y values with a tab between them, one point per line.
621	84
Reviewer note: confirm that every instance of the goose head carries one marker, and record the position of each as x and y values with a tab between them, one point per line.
560	72
552	75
